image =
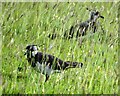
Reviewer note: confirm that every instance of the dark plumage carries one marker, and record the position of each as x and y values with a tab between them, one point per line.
81	28
47	63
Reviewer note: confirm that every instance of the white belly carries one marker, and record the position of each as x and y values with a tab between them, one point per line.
45	69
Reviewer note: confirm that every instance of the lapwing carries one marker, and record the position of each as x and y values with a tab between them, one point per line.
46	63
81	28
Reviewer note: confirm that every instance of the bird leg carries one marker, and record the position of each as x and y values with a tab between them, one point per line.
47	77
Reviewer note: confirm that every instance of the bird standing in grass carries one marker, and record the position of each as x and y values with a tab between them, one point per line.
81	28
46	63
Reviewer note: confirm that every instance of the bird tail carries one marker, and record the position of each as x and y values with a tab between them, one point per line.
69	64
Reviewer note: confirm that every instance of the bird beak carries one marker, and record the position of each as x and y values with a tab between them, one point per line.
25	52
102	17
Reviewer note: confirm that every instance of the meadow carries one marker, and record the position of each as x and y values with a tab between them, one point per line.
31	23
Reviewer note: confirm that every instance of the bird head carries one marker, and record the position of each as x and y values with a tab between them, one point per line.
31	51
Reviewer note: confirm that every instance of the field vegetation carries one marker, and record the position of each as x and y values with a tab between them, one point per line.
31	23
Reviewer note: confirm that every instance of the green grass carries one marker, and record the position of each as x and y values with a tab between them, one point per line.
30	23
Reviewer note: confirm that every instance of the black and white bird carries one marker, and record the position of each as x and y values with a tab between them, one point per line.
46	63
81	28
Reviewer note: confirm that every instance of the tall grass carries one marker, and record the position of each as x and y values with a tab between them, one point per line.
31	23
